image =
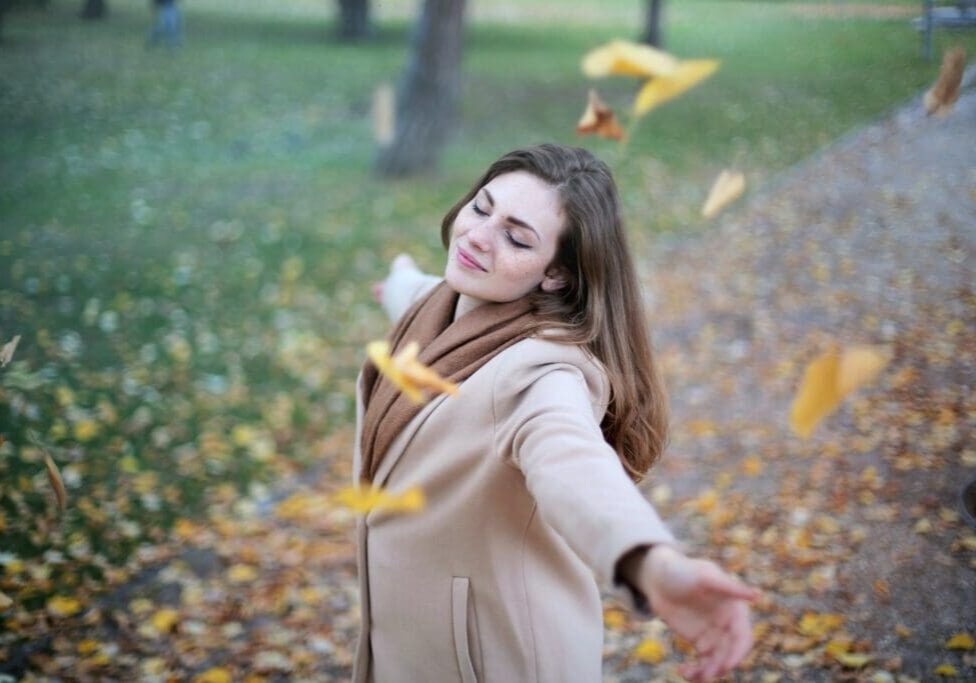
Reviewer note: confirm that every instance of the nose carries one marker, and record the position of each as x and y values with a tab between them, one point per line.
479	236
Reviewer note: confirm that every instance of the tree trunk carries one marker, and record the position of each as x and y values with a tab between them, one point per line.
94	9
354	23
652	24
427	98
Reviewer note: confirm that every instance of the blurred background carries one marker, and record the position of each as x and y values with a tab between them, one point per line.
190	222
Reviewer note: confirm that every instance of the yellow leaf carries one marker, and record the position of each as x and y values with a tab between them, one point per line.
364	499
164	620
241	573
218	674
614	619
828	379
961	641
61	606
7	352
839	650
406	372
753	466
242	435
54	476
88	646
945	92
599	118
727	188
624	58
650	651
946	671
85	430
819	625
659	90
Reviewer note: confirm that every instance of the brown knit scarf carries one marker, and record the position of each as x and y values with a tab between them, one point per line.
455	349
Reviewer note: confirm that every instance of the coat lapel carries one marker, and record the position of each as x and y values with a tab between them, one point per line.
403	440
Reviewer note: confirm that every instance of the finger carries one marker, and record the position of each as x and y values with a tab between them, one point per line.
742	631
715	663
717	580
691	671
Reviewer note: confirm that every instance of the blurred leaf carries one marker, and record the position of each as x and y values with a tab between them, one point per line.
57	483
820	625
215	675
7	352
828	379
164	620
406	372
659	90
944	93
650	651
960	641
727	188
599	118
363	499
624	58
946	671
62	606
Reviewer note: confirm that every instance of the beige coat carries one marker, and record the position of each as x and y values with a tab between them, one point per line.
494	580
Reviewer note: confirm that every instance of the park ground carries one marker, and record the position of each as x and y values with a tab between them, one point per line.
190	238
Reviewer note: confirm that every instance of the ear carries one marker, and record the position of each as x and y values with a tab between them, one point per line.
554	280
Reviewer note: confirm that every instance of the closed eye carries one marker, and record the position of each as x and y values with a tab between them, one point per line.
478	210
515	242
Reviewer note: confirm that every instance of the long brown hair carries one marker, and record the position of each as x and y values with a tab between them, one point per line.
600	308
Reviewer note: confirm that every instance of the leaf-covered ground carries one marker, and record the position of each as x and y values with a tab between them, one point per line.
855	535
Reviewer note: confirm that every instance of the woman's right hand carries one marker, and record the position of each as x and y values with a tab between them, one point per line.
399	261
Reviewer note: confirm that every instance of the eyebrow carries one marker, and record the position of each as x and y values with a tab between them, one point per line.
512	219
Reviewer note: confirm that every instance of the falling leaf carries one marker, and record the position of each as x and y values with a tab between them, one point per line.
828	379
624	58
7	352
57	483
960	641
650	651
600	119
943	95
364	499
406	372
659	90
164	620
946	671
62	606
728	187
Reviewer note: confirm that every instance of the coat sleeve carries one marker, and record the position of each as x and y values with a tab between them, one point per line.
402	288
547	423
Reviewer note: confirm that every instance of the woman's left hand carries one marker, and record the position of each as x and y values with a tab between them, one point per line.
702	604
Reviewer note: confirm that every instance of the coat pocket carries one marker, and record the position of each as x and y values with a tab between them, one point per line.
466	646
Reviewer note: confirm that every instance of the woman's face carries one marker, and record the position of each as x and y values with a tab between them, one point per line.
504	238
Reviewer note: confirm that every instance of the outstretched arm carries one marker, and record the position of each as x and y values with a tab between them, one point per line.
700	602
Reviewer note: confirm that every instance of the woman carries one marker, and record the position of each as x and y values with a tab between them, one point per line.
529	469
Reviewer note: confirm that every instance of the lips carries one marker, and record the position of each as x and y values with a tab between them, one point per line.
468	261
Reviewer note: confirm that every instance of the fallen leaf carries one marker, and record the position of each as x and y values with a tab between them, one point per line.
659	90
241	573
943	95
727	188
650	651
599	118
828	379
7	352
406	372
164	620
960	641
903	631
62	606
614	619
946	671
624	58
217	674
820	625
5	601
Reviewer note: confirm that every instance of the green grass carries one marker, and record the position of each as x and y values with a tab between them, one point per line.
187	238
